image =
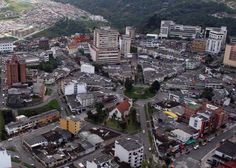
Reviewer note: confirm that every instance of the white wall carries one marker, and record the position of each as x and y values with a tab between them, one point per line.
87	68
5	159
198	121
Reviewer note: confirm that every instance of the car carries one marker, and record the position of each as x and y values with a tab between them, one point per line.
143	131
17	157
204	143
149	149
187	152
10	139
196	147
223	140
210	139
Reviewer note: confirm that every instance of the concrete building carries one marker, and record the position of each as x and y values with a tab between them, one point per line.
216	39
192	64
230	55
122	110
125	45
85	99
101	161
104	49
5	159
129	151
171	29
87	68
130	31
6	46
71	124
198	45
16	71
74	87
27	123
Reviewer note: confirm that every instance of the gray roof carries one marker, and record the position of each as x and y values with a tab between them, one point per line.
32	140
228	148
129	144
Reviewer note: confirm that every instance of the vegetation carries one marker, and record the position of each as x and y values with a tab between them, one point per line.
152	164
1	125
155	87
100	116
48	91
128	85
207	94
6	117
147	14
68	27
12	148
16	160
18	6
53	104
139	93
50	65
129	124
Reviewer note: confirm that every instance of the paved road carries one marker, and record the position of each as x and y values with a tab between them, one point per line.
204	150
16	141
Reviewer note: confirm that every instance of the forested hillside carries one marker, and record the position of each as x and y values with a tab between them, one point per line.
146	14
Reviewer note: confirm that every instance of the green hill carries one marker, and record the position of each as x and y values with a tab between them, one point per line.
146	14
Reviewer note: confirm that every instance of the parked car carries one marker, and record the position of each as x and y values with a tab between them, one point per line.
196	147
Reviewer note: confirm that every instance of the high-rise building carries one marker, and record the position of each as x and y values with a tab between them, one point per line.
171	29
105	47
70	124
125	45
16	71
129	151
216	39
198	45
230	55
130	31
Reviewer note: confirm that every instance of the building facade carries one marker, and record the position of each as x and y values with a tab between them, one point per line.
70	124
125	45
129	151
87	68
230	55
171	29
5	159
130	31
16	71
104	49
198	45
6	46
216	39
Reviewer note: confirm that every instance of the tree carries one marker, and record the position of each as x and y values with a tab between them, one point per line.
207	94
128	84
155	87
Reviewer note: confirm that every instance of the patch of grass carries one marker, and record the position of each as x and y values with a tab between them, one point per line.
18	6
27	165
12	148
139	93
150	137
130	128
16	160
53	104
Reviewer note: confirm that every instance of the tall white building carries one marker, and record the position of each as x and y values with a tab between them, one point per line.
5	159
125	45
171	29
102	161
87	68
216	39
130	31
74	87
6	46
105	47
129	151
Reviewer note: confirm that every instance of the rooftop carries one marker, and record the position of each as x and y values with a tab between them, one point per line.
228	148
129	144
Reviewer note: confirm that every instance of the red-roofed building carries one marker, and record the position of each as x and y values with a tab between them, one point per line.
121	110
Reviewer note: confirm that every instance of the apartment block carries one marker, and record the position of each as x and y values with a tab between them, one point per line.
71	124
129	151
105	47
230	55
171	29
